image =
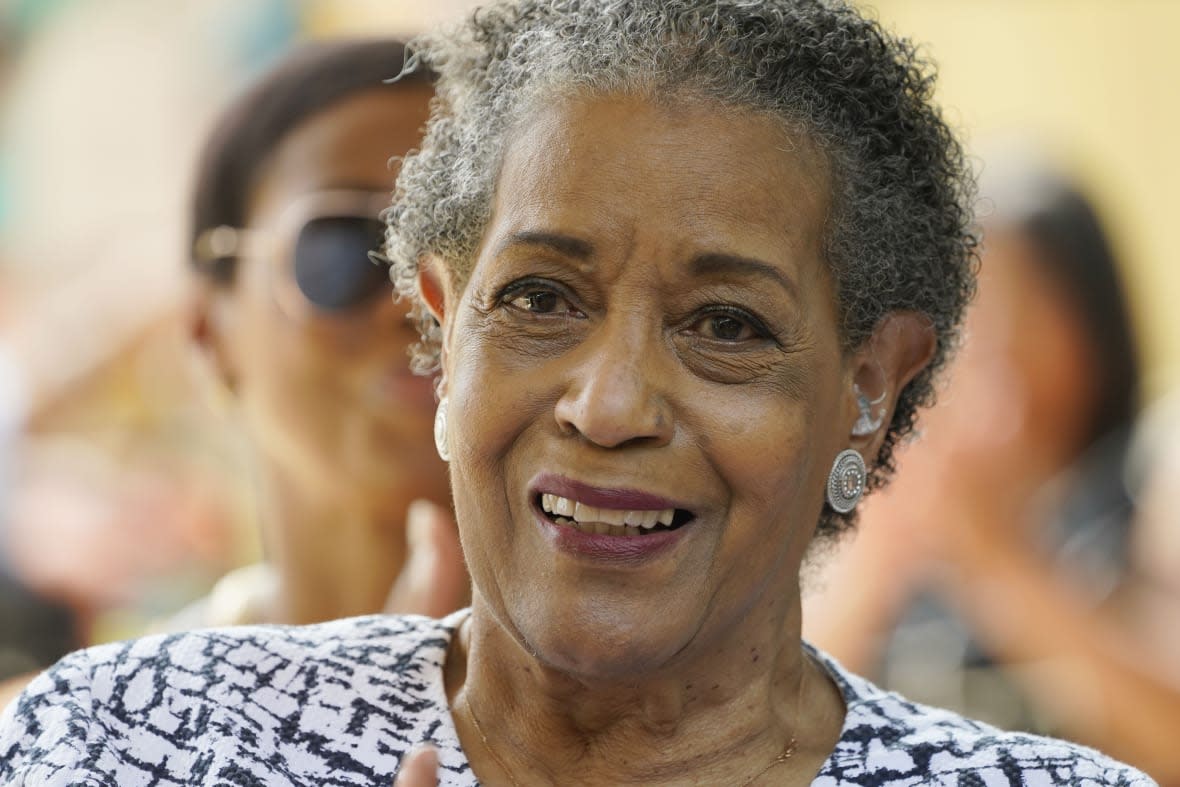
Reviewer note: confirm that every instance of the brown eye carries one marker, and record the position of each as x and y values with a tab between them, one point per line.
540	297
537	301
728	326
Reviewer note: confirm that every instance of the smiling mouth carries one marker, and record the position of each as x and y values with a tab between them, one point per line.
610	521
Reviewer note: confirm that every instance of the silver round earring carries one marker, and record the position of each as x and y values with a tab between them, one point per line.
846	482
440	430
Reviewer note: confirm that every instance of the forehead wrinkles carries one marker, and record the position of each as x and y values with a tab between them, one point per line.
613	164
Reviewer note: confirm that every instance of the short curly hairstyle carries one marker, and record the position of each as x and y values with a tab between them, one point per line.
900	234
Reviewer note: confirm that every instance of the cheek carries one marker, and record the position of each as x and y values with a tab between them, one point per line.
291	377
498	380
488	409
768	462
770	447
768	455
491	405
294	369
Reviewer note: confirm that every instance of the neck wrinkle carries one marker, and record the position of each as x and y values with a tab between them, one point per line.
731	713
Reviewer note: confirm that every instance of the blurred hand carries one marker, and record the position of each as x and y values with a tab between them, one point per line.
418	769
434	580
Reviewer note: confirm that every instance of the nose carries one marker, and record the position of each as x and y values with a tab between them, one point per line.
615	395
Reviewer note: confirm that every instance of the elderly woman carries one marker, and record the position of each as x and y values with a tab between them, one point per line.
691	262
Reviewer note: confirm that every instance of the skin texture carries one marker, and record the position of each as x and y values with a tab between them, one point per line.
650	310
341	428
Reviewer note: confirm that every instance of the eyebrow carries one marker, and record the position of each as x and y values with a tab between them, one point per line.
708	262
720	262
562	244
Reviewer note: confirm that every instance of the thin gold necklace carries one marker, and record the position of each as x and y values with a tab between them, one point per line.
486	746
783	756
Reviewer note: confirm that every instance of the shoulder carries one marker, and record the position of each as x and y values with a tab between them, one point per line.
241	657
888	739
264	700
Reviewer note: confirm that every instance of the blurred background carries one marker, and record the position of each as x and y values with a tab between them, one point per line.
124	487
124	492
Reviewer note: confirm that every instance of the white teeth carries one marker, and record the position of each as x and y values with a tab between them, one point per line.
612	516
607	518
601	528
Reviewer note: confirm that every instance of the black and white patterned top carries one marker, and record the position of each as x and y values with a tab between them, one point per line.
339	703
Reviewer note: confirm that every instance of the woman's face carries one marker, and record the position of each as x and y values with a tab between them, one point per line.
329	397
648	328
1021	396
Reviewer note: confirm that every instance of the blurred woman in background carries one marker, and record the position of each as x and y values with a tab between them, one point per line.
996	575
301	327
311	354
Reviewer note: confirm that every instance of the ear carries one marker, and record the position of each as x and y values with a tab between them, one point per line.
209	316
900	347
433	286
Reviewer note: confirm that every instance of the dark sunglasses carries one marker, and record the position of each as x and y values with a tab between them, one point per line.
331	263
322	250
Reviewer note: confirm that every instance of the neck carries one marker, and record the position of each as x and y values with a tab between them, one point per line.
716	719
334	555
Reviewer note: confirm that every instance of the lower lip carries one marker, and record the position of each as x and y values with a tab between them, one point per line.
617	550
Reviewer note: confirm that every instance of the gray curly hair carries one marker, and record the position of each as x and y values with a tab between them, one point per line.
900	235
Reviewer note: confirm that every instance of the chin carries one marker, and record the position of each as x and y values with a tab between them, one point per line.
604	646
